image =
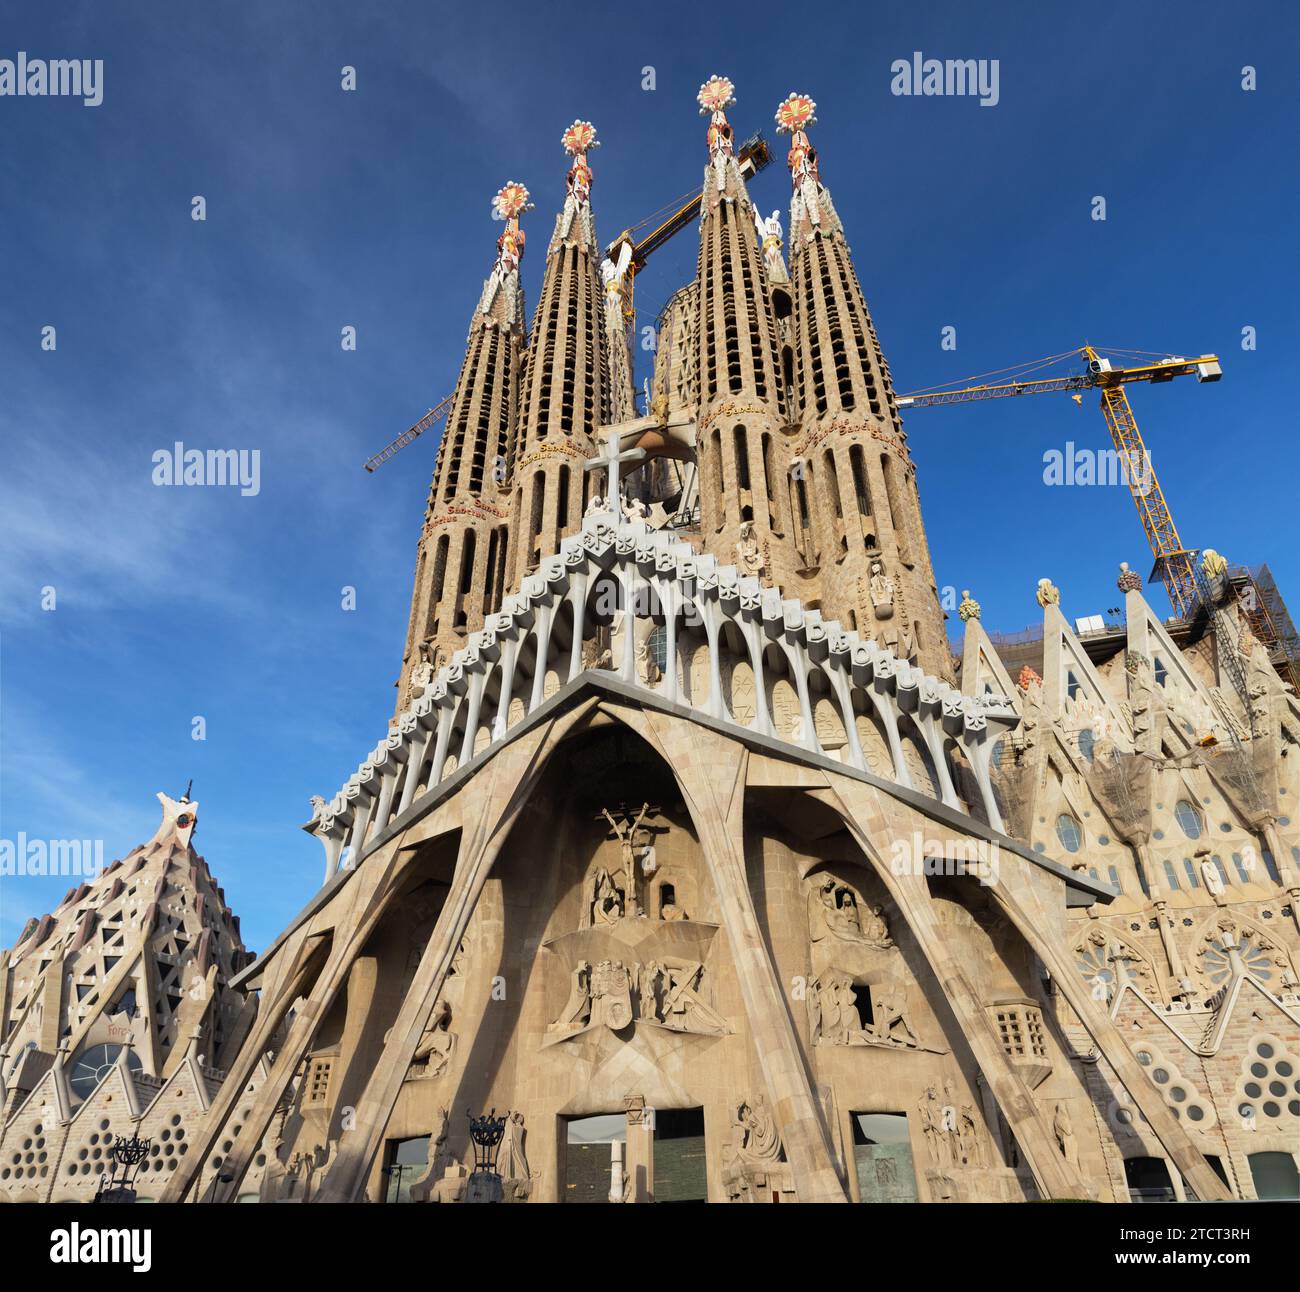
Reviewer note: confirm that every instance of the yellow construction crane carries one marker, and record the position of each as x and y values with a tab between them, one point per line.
753	155
1174	563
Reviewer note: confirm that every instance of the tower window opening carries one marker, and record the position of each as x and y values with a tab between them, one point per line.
562	502
742	458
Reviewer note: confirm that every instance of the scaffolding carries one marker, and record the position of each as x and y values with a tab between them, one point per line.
1264	610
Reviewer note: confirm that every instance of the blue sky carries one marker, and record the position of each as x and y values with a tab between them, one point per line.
371	209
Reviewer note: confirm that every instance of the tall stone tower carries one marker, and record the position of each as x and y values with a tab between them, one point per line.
855	483
462	569
566	375
744	498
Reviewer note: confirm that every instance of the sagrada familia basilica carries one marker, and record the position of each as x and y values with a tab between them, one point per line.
694	849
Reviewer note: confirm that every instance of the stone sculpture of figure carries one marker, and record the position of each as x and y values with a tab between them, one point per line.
626	835
437	1042
833	911
758	1142
930	1129
606	899
831	1013
1063	1129
647	667
683	1007
596	507
881	588
749	556
613	273
512	1162
972	1148
576	1014
436	1162
891	1025
634	509
648	991
611	995
769	236
939	1122
1048	593
874	928
422	673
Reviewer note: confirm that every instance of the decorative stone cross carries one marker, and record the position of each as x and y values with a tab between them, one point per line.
612	459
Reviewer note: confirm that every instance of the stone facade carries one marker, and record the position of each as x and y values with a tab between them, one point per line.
116	1016
697	852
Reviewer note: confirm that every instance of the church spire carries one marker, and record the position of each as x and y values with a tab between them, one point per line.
745	496
566	373
859	479
461	566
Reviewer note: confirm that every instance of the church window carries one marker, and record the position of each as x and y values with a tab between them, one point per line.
658	646
1114	878
1219	866
1171	874
318	1082
1087	743
861	490
404	1160
93	1066
1067	831
562	505
1148	1180
1190	866
742	458
1189	819
1240	868
999	748
1274	1176
1161	672
1072	685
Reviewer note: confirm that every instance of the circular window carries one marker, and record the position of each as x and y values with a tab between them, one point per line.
1259	1069
1160	1076
1067	831
1195	1113
1264	1050
1189	819
93	1066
